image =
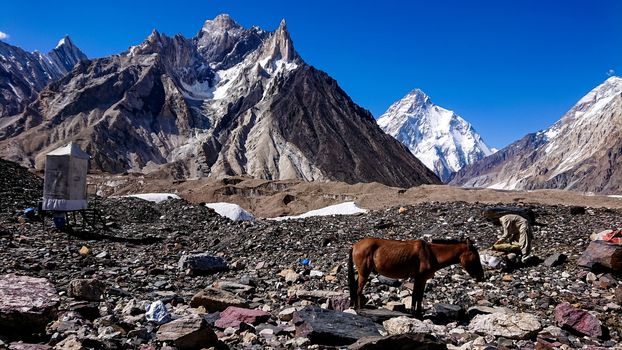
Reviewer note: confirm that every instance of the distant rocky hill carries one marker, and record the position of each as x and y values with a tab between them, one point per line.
23	74
230	101
582	151
440	138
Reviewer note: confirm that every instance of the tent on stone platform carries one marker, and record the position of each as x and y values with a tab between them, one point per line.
64	187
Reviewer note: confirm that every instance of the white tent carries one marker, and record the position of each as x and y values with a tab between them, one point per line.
64	187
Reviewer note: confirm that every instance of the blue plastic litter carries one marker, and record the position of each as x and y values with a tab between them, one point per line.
157	312
29	211
305	262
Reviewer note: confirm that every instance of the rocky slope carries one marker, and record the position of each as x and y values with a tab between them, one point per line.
579	152
23	74
101	287
230	101
440	138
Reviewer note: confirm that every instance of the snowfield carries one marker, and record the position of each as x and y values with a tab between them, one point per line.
346	208
154	197
231	211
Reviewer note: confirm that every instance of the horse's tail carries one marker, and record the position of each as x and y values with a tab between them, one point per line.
351	280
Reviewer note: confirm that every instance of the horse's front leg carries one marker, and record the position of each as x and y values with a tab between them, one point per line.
417	298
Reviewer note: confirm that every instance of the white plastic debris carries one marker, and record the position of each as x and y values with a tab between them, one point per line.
157	312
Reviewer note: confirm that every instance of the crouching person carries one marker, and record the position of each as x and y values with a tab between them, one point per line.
518	233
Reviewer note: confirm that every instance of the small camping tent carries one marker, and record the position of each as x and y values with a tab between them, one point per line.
64	187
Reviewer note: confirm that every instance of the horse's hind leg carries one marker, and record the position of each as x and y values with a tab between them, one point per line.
360	298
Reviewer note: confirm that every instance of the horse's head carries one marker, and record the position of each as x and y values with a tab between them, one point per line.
469	260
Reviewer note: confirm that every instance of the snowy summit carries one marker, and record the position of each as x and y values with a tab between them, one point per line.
440	138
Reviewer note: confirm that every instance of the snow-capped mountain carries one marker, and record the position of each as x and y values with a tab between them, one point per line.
440	138
582	151
230	101
23	74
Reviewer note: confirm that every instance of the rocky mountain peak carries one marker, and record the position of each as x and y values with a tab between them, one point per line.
231	101
441	139
222	22
418	96
609	88
24	74
66	54
282	47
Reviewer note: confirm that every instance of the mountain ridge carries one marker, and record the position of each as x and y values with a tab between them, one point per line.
218	104
24	74
581	151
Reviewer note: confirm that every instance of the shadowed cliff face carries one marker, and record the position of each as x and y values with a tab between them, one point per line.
231	101
581	152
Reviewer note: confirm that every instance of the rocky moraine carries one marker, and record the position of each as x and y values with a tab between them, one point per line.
177	275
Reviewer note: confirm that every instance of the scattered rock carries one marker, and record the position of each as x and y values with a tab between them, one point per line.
398	341
287	314
86	289
577	320
216	300
449	311
26	303
381	315
334	328
555	259
403	324
599	254
202	264
84	251
26	346
233	316
514	326
190	332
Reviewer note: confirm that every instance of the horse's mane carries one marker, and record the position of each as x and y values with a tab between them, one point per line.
447	241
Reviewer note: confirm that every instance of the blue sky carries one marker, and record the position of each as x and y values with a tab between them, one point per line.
508	67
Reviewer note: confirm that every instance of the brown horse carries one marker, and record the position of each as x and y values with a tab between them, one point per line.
404	259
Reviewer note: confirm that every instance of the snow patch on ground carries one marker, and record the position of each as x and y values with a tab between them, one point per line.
346	208
154	197
231	211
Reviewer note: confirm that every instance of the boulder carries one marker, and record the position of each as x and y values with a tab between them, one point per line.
484	310
403	324
334	328
202	264
213	300
26	346
190	332
286	314
449	311
577	321
86	289
233	316
27	304
70	343
555	259
600	254
319	295
389	281
381	315
409	341
514	326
